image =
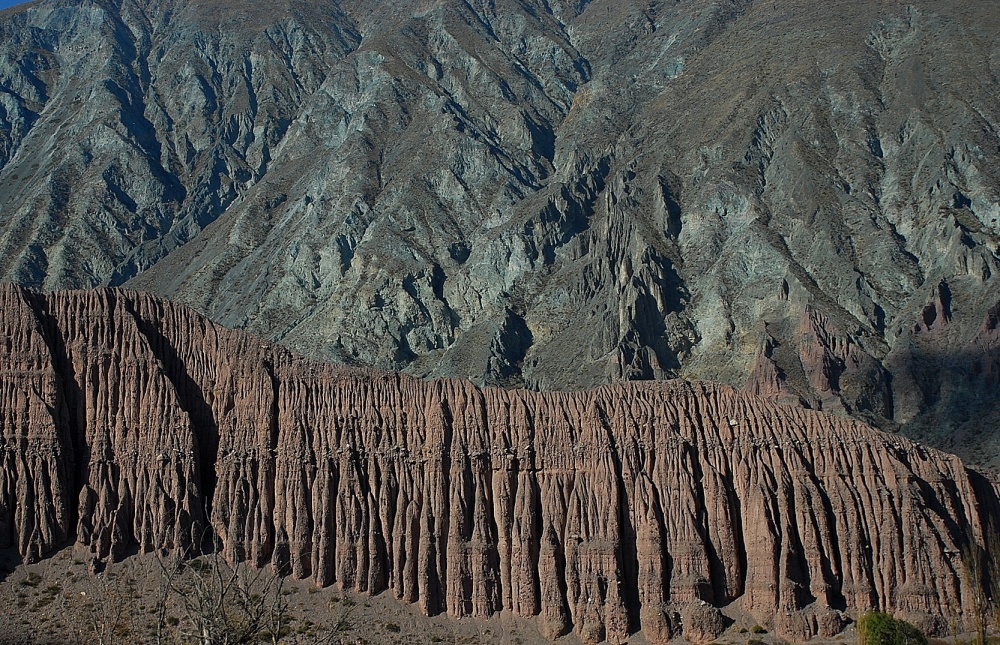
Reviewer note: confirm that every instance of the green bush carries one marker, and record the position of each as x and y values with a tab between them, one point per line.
32	579
757	629
878	628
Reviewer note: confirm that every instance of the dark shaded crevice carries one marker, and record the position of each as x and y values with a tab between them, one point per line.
666	559
383	527
508	350
33	65
345	249
70	417
441	524
481	19
736	519
796	566
534	546
495	589
957	528
10	141
832	568
567	215
628	553
111	180
716	567
465	529
460	251
132	99
192	401
543	139
986	495
559	558
944	293
674	212
271	465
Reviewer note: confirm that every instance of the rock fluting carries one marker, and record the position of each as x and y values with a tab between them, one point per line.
130	422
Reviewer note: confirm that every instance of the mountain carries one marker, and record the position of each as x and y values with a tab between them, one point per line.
797	198
133	424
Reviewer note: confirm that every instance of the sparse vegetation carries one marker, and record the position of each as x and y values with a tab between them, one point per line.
32	579
107	611
879	628
218	602
169	601
758	629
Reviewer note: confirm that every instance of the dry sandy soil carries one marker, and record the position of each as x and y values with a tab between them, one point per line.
59	600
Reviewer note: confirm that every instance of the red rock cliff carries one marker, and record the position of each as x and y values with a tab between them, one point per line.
129	421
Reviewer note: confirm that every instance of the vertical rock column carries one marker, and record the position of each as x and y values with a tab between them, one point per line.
36	458
140	475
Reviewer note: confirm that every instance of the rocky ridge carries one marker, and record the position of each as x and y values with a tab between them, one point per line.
130	422
541	193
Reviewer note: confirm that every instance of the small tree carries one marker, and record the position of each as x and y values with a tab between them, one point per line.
115	597
221	603
878	628
108	612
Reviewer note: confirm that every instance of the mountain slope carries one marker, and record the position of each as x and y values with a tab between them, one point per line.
800	199
131	423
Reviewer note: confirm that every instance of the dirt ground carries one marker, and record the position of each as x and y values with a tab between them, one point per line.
62	601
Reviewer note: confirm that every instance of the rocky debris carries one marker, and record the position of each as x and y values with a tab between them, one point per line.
701	622
133	423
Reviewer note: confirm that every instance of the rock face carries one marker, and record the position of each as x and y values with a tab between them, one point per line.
549	193
130	422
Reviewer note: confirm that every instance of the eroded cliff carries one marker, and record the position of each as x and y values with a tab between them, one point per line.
130	422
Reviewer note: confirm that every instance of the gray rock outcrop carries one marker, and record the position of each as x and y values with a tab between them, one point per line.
553	194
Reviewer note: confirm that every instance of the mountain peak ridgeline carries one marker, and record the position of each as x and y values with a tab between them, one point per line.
797	198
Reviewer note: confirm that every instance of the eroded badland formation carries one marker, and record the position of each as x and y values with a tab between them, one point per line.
742	238
132	421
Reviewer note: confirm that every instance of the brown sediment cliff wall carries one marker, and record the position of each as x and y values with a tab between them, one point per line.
128	421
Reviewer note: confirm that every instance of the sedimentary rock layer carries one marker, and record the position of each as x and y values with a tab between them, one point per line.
130	422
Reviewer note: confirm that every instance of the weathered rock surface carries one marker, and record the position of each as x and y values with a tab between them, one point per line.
540	192
130	422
